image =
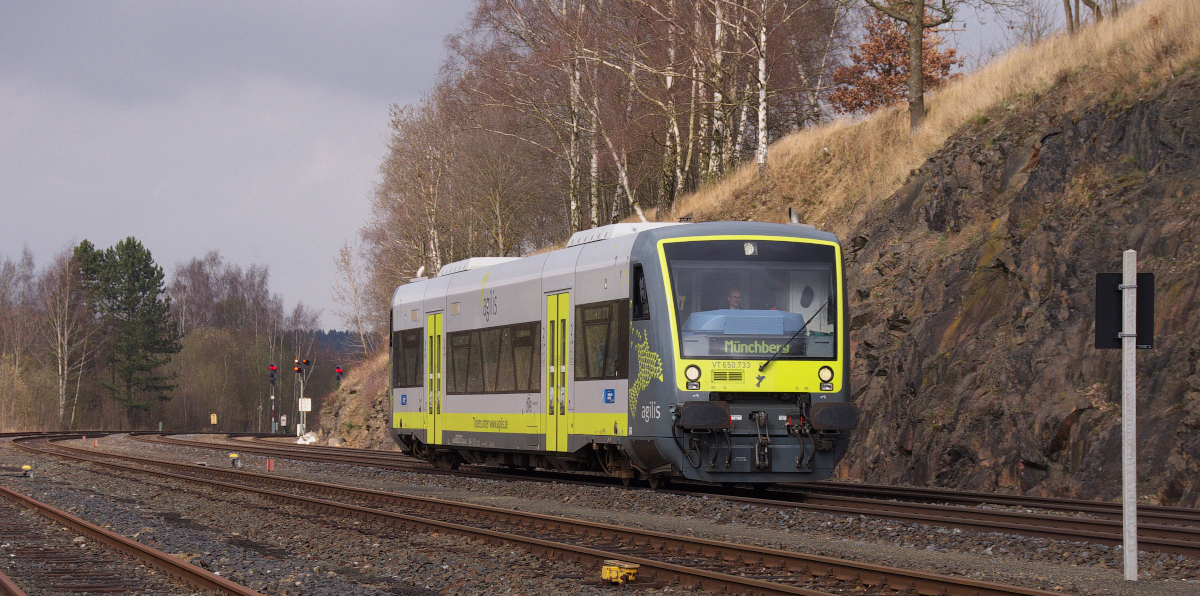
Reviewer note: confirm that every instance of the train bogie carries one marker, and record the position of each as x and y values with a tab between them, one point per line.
713	352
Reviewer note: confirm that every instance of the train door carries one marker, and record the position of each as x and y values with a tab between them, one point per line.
434	379
557	309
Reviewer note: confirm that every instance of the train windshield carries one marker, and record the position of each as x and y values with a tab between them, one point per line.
748	299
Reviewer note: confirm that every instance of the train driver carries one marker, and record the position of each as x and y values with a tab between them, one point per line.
735	299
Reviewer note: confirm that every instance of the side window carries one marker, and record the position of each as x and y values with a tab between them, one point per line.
640	297
414	357
460	349
496	360
527	356
475	366
601	340
407	360
397	357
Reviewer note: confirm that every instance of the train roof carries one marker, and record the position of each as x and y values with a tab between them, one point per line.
741	228
652	232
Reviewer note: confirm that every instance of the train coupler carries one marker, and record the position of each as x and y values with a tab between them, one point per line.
762	449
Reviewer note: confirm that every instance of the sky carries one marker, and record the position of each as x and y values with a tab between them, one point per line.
255	129
251	128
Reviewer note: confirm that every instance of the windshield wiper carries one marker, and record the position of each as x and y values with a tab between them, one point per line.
763	366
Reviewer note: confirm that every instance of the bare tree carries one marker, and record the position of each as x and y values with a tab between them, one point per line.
1029	22
17	302
349	294
71	335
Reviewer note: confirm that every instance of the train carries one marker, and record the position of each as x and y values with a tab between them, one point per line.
713	352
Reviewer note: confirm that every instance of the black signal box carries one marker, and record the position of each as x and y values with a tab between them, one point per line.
1109	306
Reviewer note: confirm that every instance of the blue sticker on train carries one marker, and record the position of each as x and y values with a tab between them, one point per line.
403	399
610	396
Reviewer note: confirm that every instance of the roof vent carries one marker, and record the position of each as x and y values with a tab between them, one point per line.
473	263
612	231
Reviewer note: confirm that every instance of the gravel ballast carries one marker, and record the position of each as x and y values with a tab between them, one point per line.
1081	568
284	550
45	557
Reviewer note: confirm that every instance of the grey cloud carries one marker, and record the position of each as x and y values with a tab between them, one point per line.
135	51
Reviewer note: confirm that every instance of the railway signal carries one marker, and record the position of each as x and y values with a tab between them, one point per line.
338	373
301	367
272	368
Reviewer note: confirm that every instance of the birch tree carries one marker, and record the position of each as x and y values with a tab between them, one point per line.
349	294
70	334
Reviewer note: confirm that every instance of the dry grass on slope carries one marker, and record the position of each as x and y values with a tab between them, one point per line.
835	173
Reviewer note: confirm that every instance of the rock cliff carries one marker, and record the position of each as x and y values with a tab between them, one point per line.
972	296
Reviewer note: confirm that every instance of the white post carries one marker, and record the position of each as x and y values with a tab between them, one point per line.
1129	413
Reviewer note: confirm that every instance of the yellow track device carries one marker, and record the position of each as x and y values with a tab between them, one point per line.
619	572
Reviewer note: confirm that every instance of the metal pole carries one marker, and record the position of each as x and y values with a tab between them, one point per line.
274	426
300	427
1129	413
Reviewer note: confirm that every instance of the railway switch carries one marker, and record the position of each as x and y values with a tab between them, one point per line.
619	572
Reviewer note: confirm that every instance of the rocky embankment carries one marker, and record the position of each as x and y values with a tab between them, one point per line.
359	412
973	289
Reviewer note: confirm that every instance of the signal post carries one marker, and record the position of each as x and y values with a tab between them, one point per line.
272	369
304	405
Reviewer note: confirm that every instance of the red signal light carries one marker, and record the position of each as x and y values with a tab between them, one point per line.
273	367
338	369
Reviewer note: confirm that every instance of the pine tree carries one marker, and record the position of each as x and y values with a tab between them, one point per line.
125	288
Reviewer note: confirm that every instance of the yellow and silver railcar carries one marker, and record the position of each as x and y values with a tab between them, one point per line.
712	351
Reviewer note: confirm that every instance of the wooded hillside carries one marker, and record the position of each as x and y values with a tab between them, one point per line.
973	245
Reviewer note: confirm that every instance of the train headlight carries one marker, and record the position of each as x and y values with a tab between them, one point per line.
825	374
692	373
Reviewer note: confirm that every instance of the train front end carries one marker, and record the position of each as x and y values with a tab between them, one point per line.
746	327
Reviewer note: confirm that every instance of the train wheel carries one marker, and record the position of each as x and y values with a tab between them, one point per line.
657	482
448	461
627	481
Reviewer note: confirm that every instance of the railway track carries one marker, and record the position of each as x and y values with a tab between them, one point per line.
54	562
1160	529
708	564
1152	514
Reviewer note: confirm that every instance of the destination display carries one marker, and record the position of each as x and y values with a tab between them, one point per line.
755	345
